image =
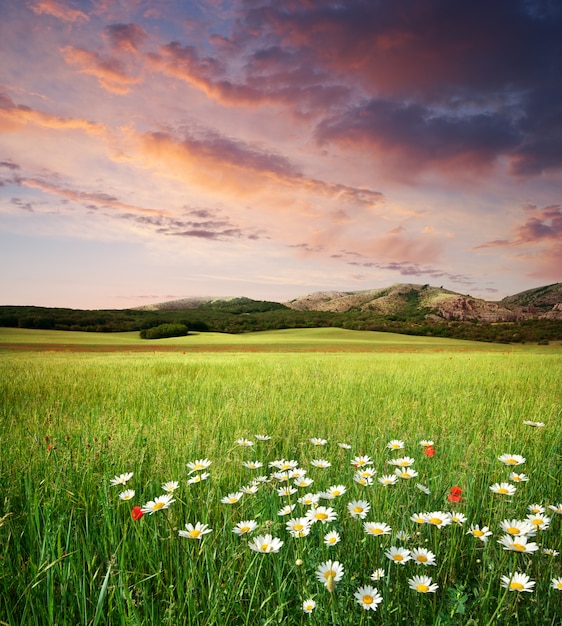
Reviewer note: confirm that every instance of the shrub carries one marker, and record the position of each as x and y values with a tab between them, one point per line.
164	330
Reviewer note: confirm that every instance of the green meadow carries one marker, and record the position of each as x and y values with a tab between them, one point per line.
81	411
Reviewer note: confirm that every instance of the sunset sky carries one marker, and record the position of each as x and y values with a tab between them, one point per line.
159	149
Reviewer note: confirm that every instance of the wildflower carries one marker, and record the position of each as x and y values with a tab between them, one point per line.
286	510
262	437
481	533
422	584
533	424
426	443
321	514
557	583
305	481
358	508
455	494
423	557
458	518
231	498
404	461
250	489
517	527
401	535
308	606
344	446
329	573
316	441
283	465
280	476
309	499
297	472
518	544
361	461
368	597
419	518
297	524
366	472
377	528
378	574
540	521
245	443
429	451
506	489
286	491
170	486
512	459
128	494
388	479
137	513
159	503
200	464
536	508
518	478
122	479
424	489
331	538
252	464
517	582
398	555
195	532
364	482
245	527
406	473
550	552
395	444
321	463
198	478
265	544
439	518
336	490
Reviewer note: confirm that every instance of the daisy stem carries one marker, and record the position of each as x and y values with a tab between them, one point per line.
498	607
256	583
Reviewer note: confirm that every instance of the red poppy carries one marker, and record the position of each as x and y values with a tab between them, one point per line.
429	451
455	495
136	513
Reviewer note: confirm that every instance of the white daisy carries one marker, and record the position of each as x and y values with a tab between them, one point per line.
517	582
368	598
195	532
265	544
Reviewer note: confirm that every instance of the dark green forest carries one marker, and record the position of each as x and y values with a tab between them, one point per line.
243	315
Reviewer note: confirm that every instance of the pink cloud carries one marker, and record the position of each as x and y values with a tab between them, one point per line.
59	10
111	73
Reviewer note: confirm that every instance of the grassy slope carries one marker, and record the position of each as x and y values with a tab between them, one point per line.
313	339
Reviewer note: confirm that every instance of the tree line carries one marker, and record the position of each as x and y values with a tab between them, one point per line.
246	317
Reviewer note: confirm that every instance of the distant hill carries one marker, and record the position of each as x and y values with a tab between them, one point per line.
437	304
530	316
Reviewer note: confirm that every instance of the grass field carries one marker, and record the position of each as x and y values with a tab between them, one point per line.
79	410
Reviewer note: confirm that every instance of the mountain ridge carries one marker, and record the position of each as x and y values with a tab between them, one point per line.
404	300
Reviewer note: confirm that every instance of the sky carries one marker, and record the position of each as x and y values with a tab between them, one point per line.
152	150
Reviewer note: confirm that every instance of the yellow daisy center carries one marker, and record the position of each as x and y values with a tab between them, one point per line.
422	558
158	505
537	521
194	533
398	557
422	588
367	599
477	533
513	531
436	521
358	509
264	547
519	547
515	585
332	540
404	463
502	490
559	585
244	529
329	574
511	462
321	516
298	526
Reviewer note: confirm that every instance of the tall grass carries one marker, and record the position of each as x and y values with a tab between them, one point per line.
72	554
